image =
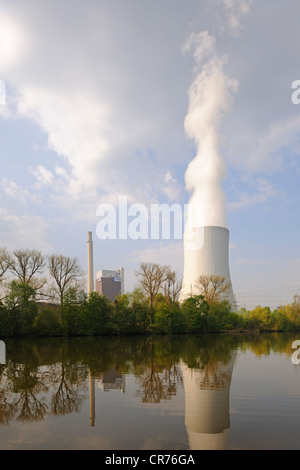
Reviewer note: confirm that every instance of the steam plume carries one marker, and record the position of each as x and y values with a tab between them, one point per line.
210	97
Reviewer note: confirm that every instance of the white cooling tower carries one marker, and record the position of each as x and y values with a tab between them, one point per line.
205	253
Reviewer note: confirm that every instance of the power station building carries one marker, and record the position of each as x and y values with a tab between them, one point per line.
110	283
205	253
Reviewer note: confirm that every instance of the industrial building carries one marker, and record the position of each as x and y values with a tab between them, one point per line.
110	283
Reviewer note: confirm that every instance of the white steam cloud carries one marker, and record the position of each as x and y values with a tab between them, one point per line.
210	98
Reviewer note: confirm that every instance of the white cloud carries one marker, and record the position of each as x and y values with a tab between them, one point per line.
18	193
43	176
19	230
76	124
236	10
263	191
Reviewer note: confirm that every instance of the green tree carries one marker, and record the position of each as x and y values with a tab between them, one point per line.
48	321
195	312
261	318
281	321
74	320
99	315
221	317
21	309
151	277
124	317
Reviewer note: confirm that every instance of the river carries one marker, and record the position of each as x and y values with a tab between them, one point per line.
233	391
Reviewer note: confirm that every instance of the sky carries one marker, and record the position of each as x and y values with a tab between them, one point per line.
150	100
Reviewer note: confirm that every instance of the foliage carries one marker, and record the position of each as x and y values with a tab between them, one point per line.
151	310
20	309
213	288
99	315
48	321
195	311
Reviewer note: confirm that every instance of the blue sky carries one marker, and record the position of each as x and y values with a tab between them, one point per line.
97	97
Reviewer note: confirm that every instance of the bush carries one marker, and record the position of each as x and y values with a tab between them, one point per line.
195	312
48	322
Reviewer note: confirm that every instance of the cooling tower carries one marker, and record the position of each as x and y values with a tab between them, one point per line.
207	393
90	264
205	253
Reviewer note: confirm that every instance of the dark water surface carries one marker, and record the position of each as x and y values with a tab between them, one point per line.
165	393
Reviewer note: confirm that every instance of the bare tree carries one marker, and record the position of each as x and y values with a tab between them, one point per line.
66	273
214	288
151	276
27	265
5	262
171	287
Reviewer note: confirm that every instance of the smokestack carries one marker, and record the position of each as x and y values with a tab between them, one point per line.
205	253
90	264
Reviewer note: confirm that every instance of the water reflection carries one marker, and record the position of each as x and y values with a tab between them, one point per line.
207	404
111	380
50	378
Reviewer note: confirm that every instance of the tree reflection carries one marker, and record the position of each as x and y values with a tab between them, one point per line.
68	396
28	407
46	378
31	391
160	377
26	384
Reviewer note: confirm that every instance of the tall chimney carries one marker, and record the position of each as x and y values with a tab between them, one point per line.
90	264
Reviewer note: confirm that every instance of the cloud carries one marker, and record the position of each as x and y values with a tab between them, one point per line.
76	124
100	97
236	10
18	193
264	191
43	176
20	230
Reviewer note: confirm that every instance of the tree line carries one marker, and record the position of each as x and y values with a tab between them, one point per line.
57	305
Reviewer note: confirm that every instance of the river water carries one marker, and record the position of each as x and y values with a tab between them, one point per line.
139	393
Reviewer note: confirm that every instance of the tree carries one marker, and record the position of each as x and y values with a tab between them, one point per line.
66	273
261	318
171	287
151	276
5	262
195	311
21	308
99	315
214	288
26	265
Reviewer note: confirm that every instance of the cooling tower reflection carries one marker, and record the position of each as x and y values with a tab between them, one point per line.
207	417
